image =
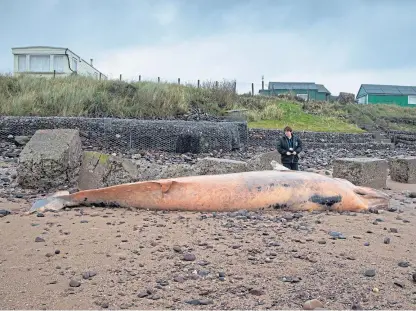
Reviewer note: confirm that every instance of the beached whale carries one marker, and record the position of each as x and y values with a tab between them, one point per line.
254	190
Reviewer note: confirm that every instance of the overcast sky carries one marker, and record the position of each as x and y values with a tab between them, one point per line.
338	43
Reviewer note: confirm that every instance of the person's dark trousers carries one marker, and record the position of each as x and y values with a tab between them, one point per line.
291	166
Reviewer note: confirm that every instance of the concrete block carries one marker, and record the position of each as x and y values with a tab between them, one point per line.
51	159
262	161
178	170
278	167
403	169
148	170
103	170
21	140
367	172
212	166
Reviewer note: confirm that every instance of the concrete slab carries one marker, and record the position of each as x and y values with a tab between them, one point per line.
103	170
209	166
262	162
178	170
51	159
403	169
370	172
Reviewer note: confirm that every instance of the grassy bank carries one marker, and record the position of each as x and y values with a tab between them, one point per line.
384	115
293	115
79	96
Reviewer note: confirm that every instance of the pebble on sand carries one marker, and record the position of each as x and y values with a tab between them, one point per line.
370	272
336	235
4	212
74	283
256	292
142	294
404	264
412	195
196	302
88	274
177	249
189	257
104	304
179	279
312	304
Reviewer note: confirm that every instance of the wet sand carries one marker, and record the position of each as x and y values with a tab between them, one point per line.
95	258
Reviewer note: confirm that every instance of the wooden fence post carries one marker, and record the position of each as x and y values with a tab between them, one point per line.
158	79
140	78
198	83
120	76
179	80
252	89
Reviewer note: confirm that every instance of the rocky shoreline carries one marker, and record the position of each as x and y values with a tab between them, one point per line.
83	258
311	159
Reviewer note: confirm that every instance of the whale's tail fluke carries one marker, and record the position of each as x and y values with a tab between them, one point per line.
55	202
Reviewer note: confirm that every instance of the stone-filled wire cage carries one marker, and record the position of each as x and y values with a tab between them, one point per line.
132	135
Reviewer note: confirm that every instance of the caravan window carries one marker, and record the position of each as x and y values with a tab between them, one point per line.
39	63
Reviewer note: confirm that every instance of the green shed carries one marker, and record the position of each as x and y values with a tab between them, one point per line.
305	90
387	94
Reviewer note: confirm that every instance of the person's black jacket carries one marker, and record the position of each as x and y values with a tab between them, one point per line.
283	148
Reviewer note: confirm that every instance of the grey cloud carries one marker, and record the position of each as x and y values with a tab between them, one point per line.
376	33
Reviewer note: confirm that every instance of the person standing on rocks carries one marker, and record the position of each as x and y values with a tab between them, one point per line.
289	146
